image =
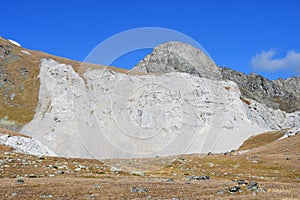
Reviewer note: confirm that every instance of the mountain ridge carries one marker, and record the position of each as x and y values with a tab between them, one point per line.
71	106
278	94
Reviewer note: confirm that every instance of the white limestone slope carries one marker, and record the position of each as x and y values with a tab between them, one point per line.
106	114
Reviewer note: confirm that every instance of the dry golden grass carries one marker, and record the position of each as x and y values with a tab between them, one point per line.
268	165
245	101
262	139
11	133
5	148
111	188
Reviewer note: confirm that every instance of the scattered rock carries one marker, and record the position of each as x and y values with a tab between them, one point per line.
14	194
242	182
97	186
12	96
138	173
235	189
138	190
262	190
60	172
20	181
33	176
115	169
211	165
252	185
51	175
46	196
198	178
170	180
221	192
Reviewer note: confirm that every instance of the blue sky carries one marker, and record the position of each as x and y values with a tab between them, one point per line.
249	36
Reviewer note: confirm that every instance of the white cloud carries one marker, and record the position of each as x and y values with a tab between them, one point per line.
265	61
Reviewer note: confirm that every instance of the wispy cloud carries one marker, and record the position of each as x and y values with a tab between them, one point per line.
266	61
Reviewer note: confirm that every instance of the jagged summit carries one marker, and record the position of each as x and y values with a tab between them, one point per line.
179	57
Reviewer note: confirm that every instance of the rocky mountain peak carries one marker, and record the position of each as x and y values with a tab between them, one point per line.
179	57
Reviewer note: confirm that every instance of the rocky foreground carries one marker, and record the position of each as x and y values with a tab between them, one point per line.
265	172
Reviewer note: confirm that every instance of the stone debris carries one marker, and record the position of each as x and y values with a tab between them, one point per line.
170	180
242	182
20	181
243	185
138	190
46	196
235	189
252	185
14	194
221	192
138	173
115	169
198	178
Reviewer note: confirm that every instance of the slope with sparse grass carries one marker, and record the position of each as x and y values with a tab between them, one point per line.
67	178
262	139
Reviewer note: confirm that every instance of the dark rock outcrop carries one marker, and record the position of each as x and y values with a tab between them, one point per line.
279	94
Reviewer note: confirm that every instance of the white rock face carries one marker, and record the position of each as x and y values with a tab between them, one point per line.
25	145
274	119
106	114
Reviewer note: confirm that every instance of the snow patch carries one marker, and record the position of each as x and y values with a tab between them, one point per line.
26	52
14	42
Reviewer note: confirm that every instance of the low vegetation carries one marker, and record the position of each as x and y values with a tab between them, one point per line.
276	172
262	139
